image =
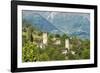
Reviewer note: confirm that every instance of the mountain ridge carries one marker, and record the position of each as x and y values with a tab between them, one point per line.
70	28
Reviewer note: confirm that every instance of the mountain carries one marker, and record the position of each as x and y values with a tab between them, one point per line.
73	24
41	23
77	24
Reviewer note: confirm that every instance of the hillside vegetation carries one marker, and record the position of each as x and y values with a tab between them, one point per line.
34	50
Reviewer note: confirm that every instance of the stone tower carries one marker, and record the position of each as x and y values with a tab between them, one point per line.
45	38
67	44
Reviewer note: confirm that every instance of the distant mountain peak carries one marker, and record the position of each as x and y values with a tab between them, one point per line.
76	24
41	23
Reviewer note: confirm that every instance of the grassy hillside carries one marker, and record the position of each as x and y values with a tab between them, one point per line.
34	50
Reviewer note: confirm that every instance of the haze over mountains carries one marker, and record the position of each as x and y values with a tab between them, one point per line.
73	24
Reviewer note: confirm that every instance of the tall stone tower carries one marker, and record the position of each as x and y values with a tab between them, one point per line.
67	44
45	37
